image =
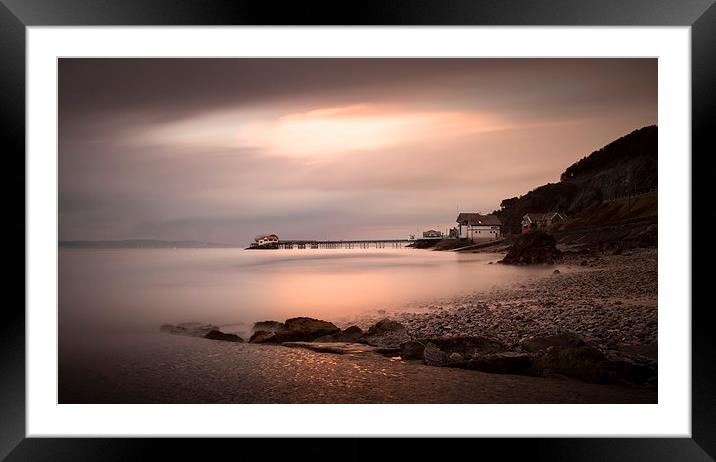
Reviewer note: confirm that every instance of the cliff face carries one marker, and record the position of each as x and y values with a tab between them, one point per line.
624	167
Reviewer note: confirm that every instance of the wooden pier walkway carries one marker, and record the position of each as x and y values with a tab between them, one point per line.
351	244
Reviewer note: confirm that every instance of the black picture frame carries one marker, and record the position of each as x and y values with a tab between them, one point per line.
16	15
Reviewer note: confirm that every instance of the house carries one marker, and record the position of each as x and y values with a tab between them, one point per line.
540	220
432	234
266	239
477	226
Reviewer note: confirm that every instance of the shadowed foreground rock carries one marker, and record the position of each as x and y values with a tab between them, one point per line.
351	334
218	335
387	333
294	330
192	329
532	248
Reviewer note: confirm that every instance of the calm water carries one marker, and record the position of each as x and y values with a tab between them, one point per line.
139	289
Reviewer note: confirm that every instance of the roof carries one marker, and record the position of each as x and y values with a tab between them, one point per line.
475	219
265	236
542	216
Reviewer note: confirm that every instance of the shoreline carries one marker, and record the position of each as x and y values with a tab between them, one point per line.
611	301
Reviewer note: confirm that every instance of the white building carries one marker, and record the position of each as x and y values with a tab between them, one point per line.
265	239
532	221
475	226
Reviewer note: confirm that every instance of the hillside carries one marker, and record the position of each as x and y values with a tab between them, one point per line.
624	168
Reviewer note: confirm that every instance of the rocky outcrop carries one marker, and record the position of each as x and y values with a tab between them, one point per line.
218	335
581	362
387	333
351	334
534	344
412	350
300	329
535	247
449	351
192	329
264	336
335	347
268	326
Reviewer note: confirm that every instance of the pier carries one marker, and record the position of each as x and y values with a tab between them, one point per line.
352	244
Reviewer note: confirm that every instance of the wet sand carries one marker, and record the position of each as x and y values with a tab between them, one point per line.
163	368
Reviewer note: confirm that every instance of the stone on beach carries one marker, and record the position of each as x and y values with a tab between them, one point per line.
192	329
299	329
387	333
218	335
352	334
335	347
412	350
579	362
537	343
268	326
264	336
534	247
434	356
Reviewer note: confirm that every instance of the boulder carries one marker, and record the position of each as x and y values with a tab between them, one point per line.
539	343
335	347
305	329
624	370
580	362
387	333
218	335
532	248
192	329
502	363
293	330
434	356
264	336
467	346
351	334
412	350
268	326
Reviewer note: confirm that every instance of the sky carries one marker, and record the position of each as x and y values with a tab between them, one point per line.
221	150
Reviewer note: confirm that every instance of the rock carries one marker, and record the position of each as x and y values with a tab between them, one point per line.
293	330
556	271
502	363
535	344
467	346
192	329
533	248
387	333
305	329
455	357
335	347
218	335
581	362
263	336
412	350
268	326
584	263
352	334
434	356
624	370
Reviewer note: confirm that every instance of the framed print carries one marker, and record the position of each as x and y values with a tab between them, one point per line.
413	220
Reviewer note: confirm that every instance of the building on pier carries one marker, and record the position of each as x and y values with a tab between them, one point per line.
265	240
